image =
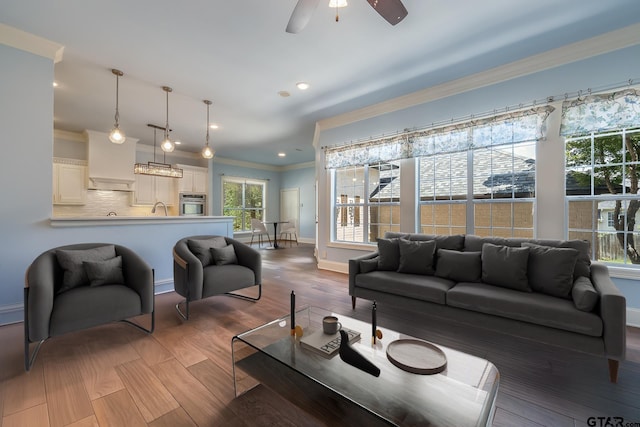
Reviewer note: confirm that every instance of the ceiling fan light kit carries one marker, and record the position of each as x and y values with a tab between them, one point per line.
393	11
116	135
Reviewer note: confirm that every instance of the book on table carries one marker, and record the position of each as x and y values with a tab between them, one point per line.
326	344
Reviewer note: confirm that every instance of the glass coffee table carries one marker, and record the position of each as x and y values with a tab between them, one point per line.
464	394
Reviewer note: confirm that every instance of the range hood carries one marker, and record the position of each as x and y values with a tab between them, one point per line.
110	165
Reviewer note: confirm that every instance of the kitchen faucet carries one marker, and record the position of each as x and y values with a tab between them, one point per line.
153	210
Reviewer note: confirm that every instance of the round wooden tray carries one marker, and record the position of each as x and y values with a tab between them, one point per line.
415	356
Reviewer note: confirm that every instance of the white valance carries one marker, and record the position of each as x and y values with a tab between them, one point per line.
599	113
507	128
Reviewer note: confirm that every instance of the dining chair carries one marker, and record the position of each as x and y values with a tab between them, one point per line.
291	231
258	227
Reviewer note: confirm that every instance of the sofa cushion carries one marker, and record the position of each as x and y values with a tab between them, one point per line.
223	256
474	243
454	242
219	279
108	272
505	266
71	261
534	308
459	266
368	265
584	295
388	254
201	248
425	288
416	257
583	264
550	270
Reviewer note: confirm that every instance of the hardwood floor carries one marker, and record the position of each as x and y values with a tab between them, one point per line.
115	375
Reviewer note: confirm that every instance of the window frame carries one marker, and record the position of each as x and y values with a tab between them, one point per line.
243	209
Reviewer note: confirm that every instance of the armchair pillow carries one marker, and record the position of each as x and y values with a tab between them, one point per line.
416	257
550	270
505	266
224	256
201	248
71	261
459	266
108	272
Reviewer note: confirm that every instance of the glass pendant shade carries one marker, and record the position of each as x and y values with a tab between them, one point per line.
208	152
116	135
167	145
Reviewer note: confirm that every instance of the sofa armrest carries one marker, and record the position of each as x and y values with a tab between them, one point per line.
138	275
354	269
39	295
248	257
187	272
613	310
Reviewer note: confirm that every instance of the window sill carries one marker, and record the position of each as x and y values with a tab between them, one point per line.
623	272
355	246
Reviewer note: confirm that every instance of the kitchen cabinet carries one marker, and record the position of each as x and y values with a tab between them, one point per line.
151	189
194	180
69	184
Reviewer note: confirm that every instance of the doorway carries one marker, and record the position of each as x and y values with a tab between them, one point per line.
290	207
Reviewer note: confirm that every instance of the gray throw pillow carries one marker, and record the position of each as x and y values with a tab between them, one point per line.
224	256
388	254
71	262
505	266
583	264
368	265
453	242
108	272
584	295
416	257
201	248
459	266
550	270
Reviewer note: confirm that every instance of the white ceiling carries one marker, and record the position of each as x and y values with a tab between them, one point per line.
237	54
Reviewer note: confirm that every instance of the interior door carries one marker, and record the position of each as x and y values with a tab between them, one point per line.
290	207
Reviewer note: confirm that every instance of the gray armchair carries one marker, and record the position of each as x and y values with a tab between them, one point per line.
205	266
75	287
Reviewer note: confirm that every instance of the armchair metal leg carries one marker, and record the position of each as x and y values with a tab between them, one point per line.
183	315
142	328
231	294
30	359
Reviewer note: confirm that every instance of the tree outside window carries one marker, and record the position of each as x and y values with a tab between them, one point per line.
243	200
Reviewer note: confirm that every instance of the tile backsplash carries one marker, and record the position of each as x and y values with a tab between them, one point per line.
101	202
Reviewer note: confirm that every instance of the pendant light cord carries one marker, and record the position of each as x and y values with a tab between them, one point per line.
117	92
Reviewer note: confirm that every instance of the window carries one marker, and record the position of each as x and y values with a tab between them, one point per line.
367	201
602	173
499	201
243	199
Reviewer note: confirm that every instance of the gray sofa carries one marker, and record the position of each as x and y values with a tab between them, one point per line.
545	290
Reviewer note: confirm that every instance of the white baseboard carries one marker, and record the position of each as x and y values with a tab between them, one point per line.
338	267
633	317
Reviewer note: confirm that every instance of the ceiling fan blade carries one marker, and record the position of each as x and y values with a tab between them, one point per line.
391	10
301	15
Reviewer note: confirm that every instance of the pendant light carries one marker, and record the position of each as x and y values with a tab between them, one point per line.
116	135
156	168
166	144
208	152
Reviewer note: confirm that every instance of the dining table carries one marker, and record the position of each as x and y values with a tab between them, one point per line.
275	232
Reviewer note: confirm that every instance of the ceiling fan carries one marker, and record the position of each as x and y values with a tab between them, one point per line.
391	10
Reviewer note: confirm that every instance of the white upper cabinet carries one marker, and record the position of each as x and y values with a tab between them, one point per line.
152	189
69	183
194	179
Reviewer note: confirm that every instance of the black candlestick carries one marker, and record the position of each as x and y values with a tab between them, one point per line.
374	322
293	313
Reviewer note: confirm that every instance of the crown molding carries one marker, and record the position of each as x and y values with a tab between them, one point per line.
609	42
69	136
298	166
271	168
31	43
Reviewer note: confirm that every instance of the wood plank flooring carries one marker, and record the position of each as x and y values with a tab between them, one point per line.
115	375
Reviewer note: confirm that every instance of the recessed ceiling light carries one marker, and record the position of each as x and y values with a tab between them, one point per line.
284	93
214	126
282	154
55	84
177	142
302	85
